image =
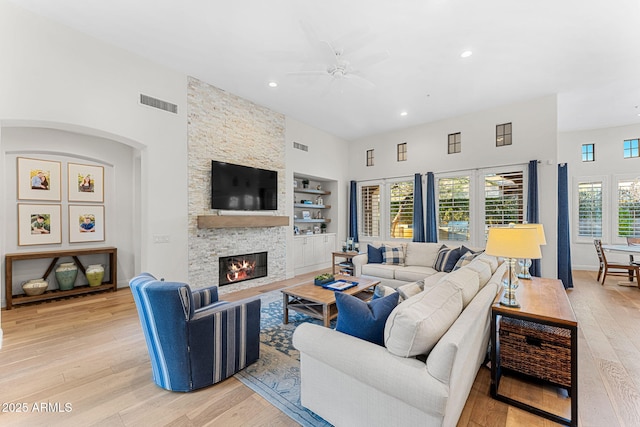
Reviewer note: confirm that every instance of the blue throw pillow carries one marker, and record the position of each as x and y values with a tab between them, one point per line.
364	320
374	254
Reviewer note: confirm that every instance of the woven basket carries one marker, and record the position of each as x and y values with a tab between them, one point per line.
537	350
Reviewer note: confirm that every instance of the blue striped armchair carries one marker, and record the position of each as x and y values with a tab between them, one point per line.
195	340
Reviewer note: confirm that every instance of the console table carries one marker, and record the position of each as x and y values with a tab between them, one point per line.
107	285
543	302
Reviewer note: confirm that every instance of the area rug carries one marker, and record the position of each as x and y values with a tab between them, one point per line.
276	375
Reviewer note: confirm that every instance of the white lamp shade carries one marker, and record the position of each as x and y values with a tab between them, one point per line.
539	228
513	243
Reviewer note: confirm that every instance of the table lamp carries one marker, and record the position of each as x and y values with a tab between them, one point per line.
525	263
512	243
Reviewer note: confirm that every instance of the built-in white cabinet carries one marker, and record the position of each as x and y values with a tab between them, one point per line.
313	252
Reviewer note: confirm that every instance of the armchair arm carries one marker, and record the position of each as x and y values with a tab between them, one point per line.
224	337
203	297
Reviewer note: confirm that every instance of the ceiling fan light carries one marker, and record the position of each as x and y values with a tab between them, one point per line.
273	84
466	54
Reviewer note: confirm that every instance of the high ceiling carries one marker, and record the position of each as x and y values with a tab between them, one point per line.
403	55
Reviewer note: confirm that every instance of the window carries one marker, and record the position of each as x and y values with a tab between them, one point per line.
503	134
503	198
369	157
402	152
629	208
590	209
453	208
455	143
631	148
588	152
401	210
370	206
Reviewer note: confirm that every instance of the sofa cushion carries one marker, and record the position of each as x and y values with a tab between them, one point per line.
364	320
382	291
382	271
413	273
374	254
489	259
393	255
422	254
447	258
417	324
410	289
482	268
464	279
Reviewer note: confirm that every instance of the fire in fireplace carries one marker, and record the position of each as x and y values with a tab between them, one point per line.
237	268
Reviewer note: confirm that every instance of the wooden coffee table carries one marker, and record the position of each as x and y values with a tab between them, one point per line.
320	303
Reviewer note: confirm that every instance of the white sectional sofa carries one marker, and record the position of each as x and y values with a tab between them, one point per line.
435	342
419	259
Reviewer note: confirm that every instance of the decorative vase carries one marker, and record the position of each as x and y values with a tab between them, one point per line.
35	286
95	274
66	274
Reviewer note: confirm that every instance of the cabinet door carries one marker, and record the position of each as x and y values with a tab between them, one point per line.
320	252
298	247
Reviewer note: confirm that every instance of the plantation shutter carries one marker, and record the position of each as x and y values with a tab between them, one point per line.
503	198
401	210
453	208
590	209
370	216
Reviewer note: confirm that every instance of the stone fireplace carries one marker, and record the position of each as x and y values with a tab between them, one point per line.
238	268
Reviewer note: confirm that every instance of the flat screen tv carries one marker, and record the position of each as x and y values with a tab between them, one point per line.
243	188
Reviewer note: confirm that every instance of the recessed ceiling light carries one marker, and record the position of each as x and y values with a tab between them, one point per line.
466	54
273	84
404	113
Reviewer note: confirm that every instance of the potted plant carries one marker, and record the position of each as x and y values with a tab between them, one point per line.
323	279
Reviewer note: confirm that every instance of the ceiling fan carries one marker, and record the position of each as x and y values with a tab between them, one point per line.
337	60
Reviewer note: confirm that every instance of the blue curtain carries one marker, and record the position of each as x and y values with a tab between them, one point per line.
418	213
532	208
353	211
432	221
564	246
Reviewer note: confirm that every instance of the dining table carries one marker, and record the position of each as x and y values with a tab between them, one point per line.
630	250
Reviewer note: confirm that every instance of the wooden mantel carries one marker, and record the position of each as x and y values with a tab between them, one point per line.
240	221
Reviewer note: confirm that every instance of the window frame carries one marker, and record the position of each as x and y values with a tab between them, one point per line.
457	143
401	152
592	152
504	134
575	219
370	157
634	148
615	226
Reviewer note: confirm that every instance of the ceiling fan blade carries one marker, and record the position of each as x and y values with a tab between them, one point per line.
353	40
308	73
373	59
359	81
321	49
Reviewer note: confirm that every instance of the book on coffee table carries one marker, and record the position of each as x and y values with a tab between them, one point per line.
340	285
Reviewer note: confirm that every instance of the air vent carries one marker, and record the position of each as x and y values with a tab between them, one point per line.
299	146
158	103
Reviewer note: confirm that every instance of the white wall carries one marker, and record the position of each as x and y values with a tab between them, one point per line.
326	160
609	164
534	138
65	147
54	77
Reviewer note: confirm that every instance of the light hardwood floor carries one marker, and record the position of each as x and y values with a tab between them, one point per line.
89	353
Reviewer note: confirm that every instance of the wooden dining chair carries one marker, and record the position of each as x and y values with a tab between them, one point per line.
633	241
629	270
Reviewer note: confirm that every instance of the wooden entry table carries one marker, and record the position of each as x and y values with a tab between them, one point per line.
545	302
320	303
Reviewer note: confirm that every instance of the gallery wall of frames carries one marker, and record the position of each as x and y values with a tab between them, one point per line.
40	203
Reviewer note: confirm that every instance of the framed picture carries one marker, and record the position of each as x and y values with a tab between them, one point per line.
39	224
38	179
86	223
306	215
86	183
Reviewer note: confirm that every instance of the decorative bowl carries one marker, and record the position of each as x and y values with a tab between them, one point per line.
320	282
35	287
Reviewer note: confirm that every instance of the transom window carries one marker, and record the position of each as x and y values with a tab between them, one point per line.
369	157
503	134
631	148
588	152
402	152
455	143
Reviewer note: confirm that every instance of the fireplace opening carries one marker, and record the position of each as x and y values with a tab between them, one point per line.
238	268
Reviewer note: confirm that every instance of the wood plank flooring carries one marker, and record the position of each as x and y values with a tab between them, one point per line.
83	361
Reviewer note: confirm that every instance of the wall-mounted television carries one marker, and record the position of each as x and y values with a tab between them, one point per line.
243	188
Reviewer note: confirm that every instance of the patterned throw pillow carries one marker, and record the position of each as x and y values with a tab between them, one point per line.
392	255
467	256
447	259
